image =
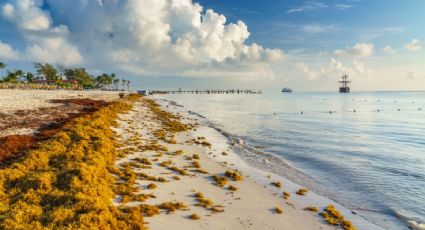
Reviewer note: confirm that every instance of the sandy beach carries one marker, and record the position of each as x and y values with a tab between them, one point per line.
250	207
181	174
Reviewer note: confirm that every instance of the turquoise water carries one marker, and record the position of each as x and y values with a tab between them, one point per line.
364	150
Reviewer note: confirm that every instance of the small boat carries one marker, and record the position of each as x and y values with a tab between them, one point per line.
286	90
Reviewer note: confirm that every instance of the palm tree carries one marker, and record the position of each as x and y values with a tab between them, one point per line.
116	81
2	67
128	85
123	82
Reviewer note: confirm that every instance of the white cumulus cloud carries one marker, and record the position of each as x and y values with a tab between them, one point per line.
359	49
414	45
7	52
388	50
143	37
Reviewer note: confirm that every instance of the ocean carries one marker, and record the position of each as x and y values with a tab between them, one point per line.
365	150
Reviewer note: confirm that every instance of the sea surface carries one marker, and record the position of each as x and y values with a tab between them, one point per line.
365	150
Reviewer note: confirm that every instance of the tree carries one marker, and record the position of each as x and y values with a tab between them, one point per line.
123	83
128	85
81	76
13	77
115	81
103	80
2	67
29	77
49	72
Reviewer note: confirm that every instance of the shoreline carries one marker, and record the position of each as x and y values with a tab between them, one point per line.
253	205
168	171
261	176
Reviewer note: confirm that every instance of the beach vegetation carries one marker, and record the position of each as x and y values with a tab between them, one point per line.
149	210
201	171
286	195
219	180
182	172
311	208
232	188
151	186
302	191
235	175
332	216
278	210
276	184
65	181
171	207
194	216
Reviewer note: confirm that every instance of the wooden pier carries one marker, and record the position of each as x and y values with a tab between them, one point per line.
207	91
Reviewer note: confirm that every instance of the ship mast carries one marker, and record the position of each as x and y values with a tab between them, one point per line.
344	88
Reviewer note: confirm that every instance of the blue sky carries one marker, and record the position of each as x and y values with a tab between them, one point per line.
333	23
225	43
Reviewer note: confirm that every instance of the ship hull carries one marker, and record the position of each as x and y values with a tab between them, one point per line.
344	89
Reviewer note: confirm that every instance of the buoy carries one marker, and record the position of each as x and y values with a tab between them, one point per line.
354	111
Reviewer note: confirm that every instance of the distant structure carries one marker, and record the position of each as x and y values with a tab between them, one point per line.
344	88
286	90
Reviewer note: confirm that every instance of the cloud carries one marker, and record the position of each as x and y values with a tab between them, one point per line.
150	37
334	69
316	6
388	50
414	45
309	6
343	6
317	28
7	52
359	49
45	43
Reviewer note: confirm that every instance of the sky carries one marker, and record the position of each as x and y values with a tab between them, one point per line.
256	44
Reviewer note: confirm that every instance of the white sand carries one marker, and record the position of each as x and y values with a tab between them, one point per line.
248	208
12	100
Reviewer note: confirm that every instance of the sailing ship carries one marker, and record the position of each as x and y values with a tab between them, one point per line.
344	88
